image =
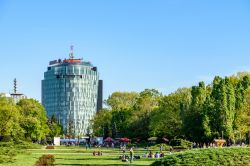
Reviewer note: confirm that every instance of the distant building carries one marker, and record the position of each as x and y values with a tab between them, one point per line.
15	96
72	91
7	95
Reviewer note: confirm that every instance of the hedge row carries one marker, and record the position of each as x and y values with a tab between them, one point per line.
209	157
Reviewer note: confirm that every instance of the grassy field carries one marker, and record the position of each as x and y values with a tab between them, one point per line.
77	156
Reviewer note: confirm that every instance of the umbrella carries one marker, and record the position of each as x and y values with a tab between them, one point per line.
123	139
109	139
152	139
165	139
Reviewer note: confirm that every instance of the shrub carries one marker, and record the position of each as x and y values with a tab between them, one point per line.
7	154
27	145
131	145
50	147
181	144
46	160
212	156
6	144
6	138
157	147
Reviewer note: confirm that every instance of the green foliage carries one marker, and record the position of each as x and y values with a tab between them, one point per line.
101	123
7	154
166	120
55	129
156	147
7	144
33	119
181	144
25	120
213	157
122	100
21	145
200	114
9	120
146	104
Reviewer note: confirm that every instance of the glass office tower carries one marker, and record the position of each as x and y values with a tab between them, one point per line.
70	91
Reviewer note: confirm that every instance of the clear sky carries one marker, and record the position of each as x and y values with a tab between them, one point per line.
135	44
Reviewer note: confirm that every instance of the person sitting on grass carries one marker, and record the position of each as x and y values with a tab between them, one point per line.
157	155
99	153
124	158
151	154
162	155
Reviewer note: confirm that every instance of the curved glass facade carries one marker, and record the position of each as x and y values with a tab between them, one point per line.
70	92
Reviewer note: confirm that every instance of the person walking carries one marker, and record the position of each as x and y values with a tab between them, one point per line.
170	149
161	148
131	154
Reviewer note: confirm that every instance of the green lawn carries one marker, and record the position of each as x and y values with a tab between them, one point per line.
76	156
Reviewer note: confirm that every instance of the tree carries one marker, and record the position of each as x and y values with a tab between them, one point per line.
166	120
193	121
122	100
101	123
146	103
33	119
242	120
55	129
120	123
9	120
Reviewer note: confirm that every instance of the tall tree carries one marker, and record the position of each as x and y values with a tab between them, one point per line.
122	100
55	129
101	123
146	103
33	119
9	120
166	120
193	121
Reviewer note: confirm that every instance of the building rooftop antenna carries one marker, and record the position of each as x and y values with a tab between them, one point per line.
15	86
71	54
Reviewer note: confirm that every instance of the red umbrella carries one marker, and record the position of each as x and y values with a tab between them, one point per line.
109	139
125	139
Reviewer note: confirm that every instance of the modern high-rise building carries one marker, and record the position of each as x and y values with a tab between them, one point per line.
72	91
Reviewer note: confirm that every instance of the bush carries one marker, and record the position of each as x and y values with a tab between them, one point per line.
6	138
46	160
8	150
50	147
180	144
27	145
6	144
131	145
7	154
212	156
157	147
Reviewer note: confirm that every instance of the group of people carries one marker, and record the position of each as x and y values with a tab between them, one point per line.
125	157
152	155
98	153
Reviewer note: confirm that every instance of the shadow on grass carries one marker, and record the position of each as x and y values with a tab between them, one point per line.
85	159
91	164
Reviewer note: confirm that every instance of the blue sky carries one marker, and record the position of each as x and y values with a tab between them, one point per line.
136	44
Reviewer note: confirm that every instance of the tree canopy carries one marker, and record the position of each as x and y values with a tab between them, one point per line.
200	113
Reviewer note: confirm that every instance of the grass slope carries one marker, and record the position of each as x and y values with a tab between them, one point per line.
209	157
